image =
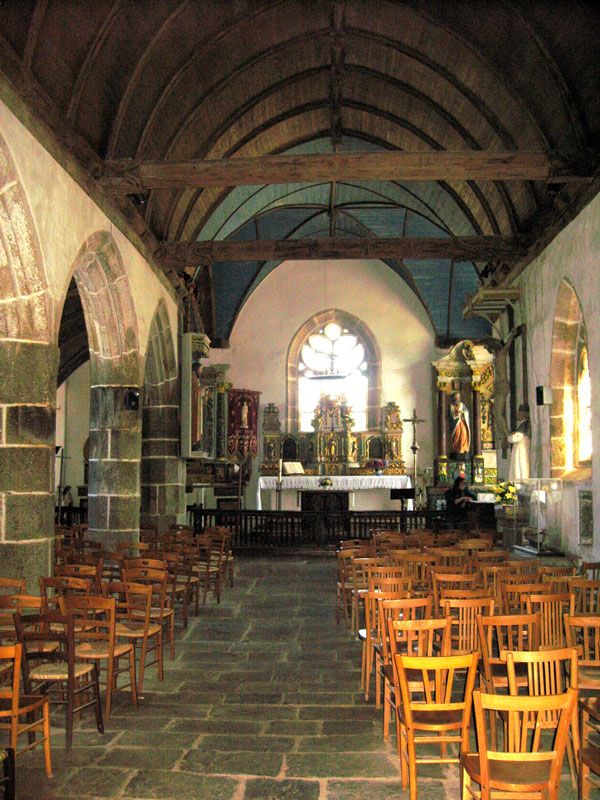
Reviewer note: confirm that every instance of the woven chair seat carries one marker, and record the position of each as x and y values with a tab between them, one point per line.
135	629
100	650
3	754
58	672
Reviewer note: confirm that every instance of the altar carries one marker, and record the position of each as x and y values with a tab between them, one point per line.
292	485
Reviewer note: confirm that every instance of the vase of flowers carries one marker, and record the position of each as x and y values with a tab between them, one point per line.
377	465
325	483
506	494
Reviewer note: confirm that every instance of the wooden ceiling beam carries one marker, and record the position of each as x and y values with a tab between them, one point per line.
460	248
133	176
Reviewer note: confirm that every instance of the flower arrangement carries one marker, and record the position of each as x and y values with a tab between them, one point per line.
377	464
325	482
506	493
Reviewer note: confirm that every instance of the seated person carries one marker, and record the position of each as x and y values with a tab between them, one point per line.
458	499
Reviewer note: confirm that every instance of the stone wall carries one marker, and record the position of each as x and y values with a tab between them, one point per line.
574	257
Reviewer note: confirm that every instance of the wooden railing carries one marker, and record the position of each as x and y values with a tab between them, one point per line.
289	529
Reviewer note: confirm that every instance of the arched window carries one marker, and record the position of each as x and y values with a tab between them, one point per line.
333	362
334	354
571	416
584	408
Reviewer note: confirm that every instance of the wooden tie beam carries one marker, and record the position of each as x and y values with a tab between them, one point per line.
131	176
459	248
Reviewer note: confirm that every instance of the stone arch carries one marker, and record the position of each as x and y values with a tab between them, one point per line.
28	367
353	323
162	478
569	337
115	428
109	311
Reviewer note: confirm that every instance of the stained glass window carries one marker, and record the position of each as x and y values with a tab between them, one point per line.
332	362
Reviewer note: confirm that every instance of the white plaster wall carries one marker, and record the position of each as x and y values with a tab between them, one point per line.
74	416
372	292
64	217
574	255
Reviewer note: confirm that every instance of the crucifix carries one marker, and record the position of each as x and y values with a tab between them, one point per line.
414	421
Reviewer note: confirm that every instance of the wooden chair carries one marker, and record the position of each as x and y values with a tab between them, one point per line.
496	635
402	609
375	573
451	580
133	623
514	595
463	614
435	708
48	642
548	673
12	585
160	612
401	584
473	546
484	558
526	566
95	635
583	632
418	567
370	635
590	570
92	572
589	759
52	589
552	609
449	557
585	596
14	706
588	754
413	637
558	571
358	587
523	768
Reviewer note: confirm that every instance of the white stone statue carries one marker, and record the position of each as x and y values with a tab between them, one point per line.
518	468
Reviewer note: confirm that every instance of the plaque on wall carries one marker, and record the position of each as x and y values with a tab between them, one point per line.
586	518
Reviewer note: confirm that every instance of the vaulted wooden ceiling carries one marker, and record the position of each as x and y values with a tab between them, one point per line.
124	83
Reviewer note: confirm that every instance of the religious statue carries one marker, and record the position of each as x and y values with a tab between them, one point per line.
460	430
244	415
520	439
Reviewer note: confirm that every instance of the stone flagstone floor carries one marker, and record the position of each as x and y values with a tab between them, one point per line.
261	703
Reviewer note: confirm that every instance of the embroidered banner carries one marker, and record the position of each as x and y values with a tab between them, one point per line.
242	423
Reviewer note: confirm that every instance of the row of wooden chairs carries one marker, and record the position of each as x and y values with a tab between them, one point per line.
543	668
112	607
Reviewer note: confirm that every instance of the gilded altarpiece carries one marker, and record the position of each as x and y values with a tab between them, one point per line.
334	448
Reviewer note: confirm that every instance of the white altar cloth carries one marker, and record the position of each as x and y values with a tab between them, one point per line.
341	483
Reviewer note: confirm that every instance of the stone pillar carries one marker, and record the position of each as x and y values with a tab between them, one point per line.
114	466
163	471
27	430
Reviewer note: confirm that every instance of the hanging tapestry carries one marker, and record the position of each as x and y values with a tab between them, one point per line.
242	423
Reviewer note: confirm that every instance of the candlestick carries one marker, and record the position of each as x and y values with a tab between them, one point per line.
280	469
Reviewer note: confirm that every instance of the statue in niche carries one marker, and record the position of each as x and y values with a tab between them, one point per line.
460	430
